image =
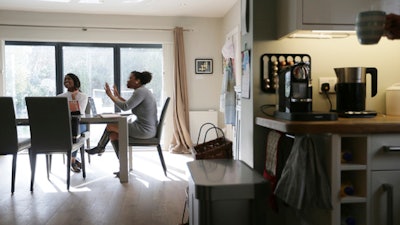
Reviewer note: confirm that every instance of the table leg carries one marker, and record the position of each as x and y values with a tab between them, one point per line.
123	147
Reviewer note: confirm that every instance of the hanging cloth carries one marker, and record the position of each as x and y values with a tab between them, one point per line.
228	95
304	182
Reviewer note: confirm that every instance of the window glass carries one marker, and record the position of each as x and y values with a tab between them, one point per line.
29	71
142	59
33	69
94	66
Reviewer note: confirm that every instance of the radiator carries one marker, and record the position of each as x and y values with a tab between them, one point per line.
198	118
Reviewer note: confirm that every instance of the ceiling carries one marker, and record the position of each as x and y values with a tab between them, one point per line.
196	8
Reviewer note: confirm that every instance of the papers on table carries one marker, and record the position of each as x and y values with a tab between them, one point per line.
110	115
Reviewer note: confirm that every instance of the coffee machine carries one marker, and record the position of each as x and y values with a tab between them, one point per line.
351	91
295	89
294	94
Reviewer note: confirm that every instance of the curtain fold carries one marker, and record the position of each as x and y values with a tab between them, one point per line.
181	140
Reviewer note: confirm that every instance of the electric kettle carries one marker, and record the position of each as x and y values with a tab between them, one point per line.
351	90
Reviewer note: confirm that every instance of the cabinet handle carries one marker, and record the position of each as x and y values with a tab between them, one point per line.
389	189
391	148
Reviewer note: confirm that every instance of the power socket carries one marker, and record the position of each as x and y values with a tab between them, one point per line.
330	80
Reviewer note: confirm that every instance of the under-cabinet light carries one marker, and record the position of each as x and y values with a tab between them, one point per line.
321	34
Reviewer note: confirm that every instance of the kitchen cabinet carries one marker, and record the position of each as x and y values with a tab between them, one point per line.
307	15
373	172
385	179
225	191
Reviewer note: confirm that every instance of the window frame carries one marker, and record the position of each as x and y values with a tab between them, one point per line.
59	56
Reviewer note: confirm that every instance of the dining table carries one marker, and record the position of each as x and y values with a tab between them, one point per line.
121	120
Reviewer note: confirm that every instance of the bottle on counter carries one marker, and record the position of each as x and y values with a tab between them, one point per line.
347	157
348	220
346	189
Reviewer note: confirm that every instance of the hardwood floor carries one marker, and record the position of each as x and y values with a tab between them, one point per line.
149	198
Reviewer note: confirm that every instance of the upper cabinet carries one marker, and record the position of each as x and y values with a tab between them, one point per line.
306	15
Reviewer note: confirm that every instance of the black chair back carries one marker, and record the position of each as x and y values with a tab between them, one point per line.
8	130
50	124
162	118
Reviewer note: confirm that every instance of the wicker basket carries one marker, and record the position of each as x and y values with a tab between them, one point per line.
219	148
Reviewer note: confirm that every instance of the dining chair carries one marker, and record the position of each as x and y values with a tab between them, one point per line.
10	143
155	141
50	128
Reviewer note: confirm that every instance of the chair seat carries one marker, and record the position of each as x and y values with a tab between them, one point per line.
24	143
76	146
85	134
137	141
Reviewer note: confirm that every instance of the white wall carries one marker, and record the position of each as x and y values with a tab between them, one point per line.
202	40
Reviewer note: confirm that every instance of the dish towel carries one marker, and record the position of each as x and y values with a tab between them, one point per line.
271	162
304	182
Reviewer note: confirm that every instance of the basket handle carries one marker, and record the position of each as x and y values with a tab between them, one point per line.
216	131
213	126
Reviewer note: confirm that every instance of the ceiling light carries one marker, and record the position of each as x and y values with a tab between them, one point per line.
133	1
62	1
321	34
91	1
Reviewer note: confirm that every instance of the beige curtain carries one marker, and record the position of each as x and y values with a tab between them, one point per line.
181	141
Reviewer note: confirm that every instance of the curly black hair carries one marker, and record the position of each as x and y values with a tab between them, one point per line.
144	77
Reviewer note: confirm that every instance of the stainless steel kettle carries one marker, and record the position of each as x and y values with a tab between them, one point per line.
351	87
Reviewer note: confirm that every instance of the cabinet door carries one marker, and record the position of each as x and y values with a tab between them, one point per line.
340	12
385	198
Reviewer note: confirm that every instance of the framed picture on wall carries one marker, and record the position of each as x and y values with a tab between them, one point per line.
203	66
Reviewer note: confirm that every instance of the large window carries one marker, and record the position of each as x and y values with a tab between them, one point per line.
29	71
38	69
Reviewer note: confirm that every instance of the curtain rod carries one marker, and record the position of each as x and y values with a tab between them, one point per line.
83	28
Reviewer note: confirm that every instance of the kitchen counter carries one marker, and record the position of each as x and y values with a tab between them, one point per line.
373	164
379	124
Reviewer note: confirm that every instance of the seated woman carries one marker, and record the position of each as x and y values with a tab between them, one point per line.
143	105
73	85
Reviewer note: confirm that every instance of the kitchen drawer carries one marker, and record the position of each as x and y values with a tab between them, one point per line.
382	158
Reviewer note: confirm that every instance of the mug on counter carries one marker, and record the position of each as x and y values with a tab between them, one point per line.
370	26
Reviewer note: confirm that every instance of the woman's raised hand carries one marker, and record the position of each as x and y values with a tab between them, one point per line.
116	93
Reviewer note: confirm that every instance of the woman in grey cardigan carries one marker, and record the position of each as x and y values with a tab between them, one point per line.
143	106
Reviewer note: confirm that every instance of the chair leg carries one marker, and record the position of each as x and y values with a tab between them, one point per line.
68	169
88	147
130	158
162	159
82	150
32	159
14	168
48	165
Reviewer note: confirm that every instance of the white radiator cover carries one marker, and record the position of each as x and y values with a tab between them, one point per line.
198	118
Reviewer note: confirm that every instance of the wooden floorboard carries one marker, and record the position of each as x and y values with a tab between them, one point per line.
100	199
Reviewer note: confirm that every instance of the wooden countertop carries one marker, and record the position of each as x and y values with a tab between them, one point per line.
379	124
